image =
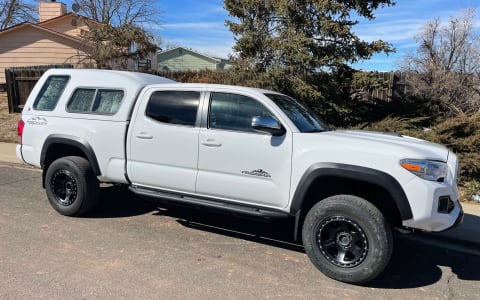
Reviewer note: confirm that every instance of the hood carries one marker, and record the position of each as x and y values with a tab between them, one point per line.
409	147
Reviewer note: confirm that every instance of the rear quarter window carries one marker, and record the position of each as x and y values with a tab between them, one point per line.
50	93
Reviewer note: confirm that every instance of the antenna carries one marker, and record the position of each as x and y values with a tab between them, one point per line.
75	7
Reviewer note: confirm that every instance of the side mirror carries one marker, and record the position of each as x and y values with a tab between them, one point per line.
269	125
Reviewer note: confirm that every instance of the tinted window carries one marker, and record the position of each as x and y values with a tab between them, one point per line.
174	107
50	93
100	101
234	112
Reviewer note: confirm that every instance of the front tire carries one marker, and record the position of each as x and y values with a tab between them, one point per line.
71	185
347	238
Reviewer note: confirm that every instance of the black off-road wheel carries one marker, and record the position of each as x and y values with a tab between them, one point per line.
347	238
72	187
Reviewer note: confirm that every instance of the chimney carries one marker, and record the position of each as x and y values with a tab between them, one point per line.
51	9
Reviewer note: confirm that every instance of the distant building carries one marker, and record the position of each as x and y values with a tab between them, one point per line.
181	59
57	39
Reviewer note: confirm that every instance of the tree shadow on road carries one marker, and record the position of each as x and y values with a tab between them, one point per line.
414	263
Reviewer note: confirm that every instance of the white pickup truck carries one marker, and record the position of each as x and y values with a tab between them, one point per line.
238	150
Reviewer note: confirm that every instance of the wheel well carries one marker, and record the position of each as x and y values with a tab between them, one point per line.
59	150
56	151
325	186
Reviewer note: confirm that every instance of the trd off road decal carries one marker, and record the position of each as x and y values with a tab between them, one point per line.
37	121
259	173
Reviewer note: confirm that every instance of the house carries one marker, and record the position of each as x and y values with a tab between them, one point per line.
180	59
57	39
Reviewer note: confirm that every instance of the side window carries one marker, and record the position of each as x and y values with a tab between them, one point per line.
234	112
50	93
98	101
107	101
174	107
81	101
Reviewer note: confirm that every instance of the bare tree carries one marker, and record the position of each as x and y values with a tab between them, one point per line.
13	12
113	47
447	65
117	37
120	12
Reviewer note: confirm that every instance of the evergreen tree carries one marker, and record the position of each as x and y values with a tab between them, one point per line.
302	36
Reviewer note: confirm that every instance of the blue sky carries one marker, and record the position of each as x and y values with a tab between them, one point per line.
200	25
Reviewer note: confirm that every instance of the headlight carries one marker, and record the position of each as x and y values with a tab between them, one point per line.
426	169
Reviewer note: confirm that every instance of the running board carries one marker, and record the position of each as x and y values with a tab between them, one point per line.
208	203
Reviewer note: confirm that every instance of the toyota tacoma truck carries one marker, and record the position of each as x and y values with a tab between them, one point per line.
237	150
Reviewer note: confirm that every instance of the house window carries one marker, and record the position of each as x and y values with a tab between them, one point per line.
95	101
50	93
174	107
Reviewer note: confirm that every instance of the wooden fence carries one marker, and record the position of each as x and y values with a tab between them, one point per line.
398	86
20	82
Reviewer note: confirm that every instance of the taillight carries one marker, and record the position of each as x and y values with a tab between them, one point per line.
20	127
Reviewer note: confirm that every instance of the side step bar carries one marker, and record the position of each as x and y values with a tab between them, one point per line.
206	203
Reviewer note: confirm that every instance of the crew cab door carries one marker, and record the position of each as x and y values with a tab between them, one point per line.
162	146
235	162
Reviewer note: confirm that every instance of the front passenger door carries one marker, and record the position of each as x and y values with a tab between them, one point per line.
237	163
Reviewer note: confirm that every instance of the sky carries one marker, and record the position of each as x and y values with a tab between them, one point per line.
200	26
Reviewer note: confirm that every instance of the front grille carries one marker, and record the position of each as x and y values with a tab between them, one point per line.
445	205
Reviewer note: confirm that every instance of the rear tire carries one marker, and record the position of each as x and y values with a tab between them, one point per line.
347	238
72	187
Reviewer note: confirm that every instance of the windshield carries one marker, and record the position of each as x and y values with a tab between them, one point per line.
303	118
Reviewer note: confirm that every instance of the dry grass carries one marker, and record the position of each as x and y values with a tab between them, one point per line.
8	122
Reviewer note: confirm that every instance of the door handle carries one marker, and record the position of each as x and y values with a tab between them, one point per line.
144	136
211	143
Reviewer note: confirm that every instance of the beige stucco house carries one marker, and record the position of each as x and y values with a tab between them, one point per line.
56	39
181	59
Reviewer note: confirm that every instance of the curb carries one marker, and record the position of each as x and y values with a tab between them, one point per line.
18	166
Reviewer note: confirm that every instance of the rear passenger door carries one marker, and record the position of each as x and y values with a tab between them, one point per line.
163	140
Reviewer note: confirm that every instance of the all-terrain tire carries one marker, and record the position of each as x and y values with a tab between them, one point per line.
347	238
72	187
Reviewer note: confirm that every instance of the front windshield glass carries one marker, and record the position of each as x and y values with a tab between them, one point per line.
303	118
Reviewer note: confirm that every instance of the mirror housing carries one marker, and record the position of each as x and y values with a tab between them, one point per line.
268	125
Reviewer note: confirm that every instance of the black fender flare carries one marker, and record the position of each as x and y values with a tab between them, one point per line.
369	175
74	141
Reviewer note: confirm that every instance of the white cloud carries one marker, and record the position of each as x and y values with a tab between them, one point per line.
391	31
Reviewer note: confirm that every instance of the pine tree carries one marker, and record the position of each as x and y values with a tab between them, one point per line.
302	36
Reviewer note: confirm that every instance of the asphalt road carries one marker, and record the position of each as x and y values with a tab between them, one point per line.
131	249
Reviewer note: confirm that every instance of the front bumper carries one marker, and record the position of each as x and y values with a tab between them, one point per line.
435	205
459	220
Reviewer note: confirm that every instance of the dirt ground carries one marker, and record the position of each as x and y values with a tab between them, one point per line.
8	122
